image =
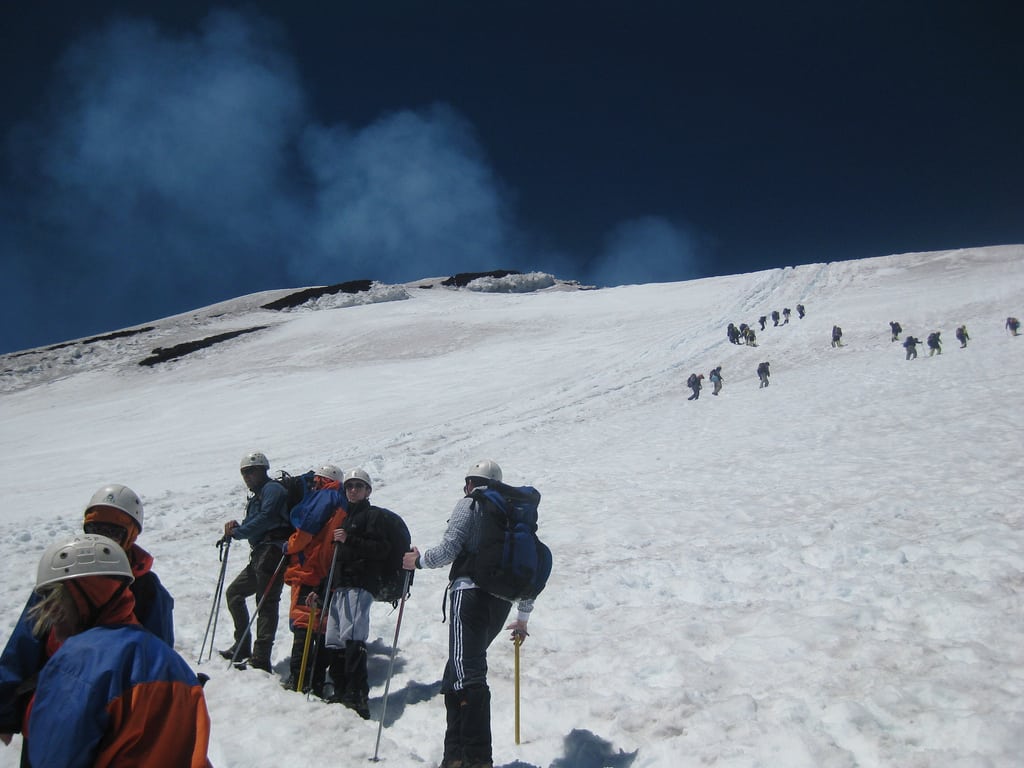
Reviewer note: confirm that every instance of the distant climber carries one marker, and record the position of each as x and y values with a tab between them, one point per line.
715	377
694	383
896	329
961	336
837	336
910	344
763	373
934	343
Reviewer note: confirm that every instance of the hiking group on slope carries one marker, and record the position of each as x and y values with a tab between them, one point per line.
98	609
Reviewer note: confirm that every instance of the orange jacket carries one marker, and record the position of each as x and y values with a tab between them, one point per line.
117	695
315	520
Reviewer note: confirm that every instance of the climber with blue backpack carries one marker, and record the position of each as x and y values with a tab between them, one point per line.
496	559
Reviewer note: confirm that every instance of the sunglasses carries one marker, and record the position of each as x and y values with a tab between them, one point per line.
355	485
110	530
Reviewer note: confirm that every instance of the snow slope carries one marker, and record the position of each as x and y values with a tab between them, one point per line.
824	573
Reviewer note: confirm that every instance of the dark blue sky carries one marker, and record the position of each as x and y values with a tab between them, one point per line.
160	161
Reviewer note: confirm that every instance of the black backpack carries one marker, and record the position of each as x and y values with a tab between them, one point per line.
296	485
692	380
510	562
392	583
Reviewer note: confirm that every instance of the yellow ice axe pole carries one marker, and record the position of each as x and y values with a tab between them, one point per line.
305	647
518	642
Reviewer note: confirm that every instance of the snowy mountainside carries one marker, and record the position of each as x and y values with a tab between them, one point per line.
202	328
826	572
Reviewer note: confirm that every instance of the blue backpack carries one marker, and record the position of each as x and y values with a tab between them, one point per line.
510	562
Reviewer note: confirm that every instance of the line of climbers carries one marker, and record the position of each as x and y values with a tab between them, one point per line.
695	380
745	334
910	343
934	339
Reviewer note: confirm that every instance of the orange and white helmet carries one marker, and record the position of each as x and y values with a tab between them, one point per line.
119	497
328	472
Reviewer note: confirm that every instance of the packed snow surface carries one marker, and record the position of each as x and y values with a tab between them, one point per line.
824	573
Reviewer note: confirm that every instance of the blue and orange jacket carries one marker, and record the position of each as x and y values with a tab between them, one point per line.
25	653
313	535
154	606
310	547
118	696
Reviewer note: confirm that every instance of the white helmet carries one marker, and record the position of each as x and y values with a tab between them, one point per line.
486	469
87	554
329	472
254	459
357	474
119	497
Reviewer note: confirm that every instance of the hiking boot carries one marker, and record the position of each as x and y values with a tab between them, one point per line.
357	704
263	664
452	762
229	654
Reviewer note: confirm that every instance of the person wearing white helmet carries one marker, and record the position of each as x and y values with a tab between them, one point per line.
362	548
475	619
266	526
114	693
115	511
309	552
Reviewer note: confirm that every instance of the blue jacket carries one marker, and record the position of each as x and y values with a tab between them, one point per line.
116	695
25	654
266	516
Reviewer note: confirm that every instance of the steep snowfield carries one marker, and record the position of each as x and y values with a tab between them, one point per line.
824	573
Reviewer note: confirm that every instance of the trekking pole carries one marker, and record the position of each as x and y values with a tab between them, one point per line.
517	643
263	599
327	597
220	591
391	666
223	547
305	647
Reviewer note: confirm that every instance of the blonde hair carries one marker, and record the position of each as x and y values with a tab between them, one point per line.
55	607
